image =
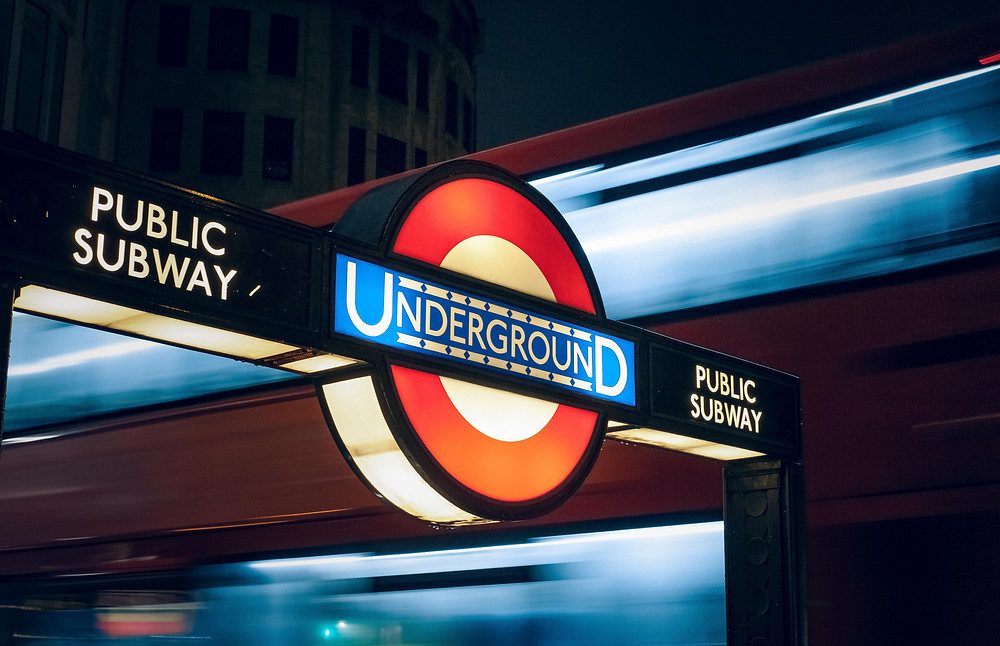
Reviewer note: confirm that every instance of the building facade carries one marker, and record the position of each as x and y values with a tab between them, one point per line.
258	102
60	71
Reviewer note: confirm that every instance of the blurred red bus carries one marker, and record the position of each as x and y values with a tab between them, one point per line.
840	222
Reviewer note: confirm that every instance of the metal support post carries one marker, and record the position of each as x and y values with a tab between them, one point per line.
765	553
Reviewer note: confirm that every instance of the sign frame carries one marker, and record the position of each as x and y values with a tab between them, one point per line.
314	333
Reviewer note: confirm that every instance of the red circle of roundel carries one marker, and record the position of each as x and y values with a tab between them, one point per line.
469	207
508	471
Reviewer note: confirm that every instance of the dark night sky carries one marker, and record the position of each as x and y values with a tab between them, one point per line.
546	65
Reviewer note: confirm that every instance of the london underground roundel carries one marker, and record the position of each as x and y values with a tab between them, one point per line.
490	449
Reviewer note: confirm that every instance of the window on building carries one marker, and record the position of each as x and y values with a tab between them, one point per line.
393	68
165	140
283	45
390	156
423	79
359	57
222	143
451	108
459	34
419	157
6	24
172	38
278	148
54	75
31	71
356	155
228	38
468	127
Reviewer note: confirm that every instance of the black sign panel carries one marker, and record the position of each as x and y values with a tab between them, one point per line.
110	228
711	395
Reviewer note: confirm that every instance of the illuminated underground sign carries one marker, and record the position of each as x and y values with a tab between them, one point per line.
451	322
402	311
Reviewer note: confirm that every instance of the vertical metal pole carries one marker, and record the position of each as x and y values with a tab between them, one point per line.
8	292
765	553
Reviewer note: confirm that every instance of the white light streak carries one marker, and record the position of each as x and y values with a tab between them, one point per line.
27	439
667	531
923	87
597	178
71	359
308	562
751	215
558	177
471	557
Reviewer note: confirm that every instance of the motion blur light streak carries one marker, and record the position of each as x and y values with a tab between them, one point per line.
28	439
73	358
758	214
70	390
658	584
916	89
667	532
309	562
594	178
466	558
654	584
887	184
559	177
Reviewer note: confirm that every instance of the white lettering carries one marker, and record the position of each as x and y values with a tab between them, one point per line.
456	325
735	416
225	280
133	225
555	354
542	359
437	307
194	231
81	236
169	269
199	277
137	265
133	257
475	330
517	341
173	231
352	305
102	201
155	219
119	261
403	307
500	344
584	362
600	344
209	247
